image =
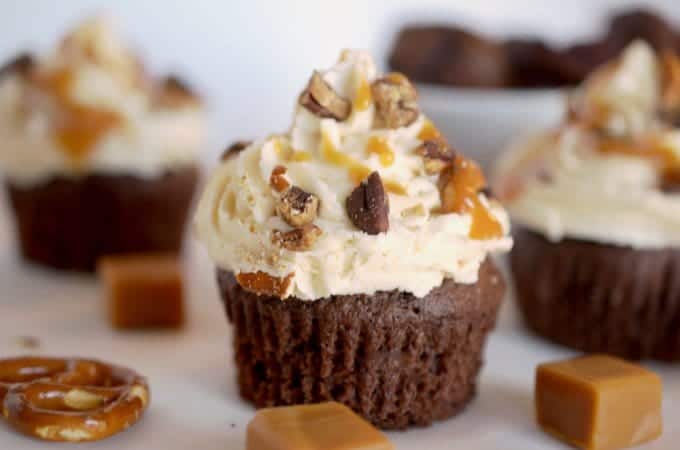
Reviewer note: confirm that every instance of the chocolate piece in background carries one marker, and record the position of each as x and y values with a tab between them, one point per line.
455	56
599	298
449	56
396	359
234	149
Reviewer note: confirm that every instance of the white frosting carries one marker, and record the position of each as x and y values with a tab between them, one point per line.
562	185
149	140
236	215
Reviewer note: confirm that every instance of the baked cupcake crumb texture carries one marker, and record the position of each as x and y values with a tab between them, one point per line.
361	195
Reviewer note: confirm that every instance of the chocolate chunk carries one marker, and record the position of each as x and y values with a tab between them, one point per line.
395	101
437	155
449	55
299	239
320	99
22	64
297	207
534	64
670	182
234	149
640	24
176	84
368	206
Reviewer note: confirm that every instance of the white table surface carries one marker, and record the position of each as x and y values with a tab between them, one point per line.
195	404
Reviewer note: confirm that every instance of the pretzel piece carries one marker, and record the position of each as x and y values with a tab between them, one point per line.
71	400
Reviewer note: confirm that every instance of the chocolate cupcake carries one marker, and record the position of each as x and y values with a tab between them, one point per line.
353	254
597	254
97	157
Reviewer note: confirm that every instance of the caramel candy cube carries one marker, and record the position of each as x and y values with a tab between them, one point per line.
144	290
327	426
598	402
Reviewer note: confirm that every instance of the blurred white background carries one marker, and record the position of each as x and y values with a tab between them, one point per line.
251	58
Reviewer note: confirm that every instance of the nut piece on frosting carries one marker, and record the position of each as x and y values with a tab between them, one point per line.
278	180
437	155
320	99
298	207
368	206
299	239
395	101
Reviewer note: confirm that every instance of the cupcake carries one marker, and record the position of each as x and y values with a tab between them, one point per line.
97	158
597	203
352	254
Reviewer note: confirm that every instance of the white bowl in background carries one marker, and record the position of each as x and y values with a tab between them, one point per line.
481	123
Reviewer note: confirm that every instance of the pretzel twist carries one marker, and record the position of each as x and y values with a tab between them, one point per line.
70	399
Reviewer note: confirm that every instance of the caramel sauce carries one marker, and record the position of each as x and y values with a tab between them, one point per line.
460	186
363	97
287	153
300	156
666	159
357	171
429	132
378	145
262	283
77	128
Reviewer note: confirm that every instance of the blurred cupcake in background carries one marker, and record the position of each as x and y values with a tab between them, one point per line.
597	255
97	157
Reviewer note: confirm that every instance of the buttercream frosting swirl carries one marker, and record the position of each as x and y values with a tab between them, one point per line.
328	158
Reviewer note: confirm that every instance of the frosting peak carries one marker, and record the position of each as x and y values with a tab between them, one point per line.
344	202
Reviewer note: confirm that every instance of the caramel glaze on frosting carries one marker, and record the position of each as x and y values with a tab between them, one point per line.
611	172
423	218
91	107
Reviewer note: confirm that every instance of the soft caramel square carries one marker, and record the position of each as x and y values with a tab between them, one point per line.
144	290
324	426
598	402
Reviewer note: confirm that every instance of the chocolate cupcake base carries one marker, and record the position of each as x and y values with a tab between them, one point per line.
68	223
396	359
600	298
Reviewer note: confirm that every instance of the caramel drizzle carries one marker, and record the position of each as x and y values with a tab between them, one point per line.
363	97
78	128
378	145
460	194
665	158
357	171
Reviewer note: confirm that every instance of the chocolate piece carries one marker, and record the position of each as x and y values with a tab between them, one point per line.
437	155
144	290
640	24
450	56
395	359
313	427
22	65
599	298
234	149
368	206
395	101
69	223
532	63
320	99
299	239
173	92
297	207
598	402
